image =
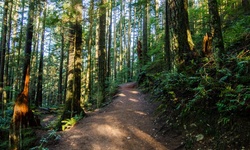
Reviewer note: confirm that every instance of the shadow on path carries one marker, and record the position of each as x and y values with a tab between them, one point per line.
126	124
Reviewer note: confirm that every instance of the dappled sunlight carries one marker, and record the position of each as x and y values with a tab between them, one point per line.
133	100
96	146
108	131
75	136
122	95
124	124
140	113
133	92
146	138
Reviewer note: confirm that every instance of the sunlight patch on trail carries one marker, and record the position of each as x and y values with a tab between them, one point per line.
122	95
140	113
147	138
108	131
133	100
133	92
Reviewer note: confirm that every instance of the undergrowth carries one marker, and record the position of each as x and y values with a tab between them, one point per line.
211	106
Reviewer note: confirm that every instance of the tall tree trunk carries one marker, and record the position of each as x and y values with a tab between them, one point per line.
145	57
109	42
7	61
167	39
89	45
129	42
134	43
14	48
183	29
120	34
115	49
39	94
22	115
60	88
73	94
3	50
218	44
34	56
19	48
101	53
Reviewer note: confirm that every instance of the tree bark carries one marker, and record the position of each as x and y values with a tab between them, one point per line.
109	43
145	57
101	53
3	51
115	49
73	93
167	38
129	42
22	115
89	45
218	44
60	84
39	94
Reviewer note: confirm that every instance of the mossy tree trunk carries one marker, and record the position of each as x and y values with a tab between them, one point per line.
101	53
218	45
185	42
73	93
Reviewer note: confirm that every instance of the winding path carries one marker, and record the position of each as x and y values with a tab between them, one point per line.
126	124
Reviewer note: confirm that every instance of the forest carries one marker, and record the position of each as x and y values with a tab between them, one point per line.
69	57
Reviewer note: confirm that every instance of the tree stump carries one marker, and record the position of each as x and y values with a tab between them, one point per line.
207	44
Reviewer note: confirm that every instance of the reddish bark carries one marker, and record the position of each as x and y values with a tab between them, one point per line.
139	50
207	44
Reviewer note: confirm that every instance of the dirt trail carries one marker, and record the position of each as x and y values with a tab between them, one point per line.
126	124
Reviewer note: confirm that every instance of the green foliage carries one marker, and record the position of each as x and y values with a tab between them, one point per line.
51	138
68	123
5	125
212	98
235	30
28	139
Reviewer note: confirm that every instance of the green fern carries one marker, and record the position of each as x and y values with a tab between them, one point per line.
68	123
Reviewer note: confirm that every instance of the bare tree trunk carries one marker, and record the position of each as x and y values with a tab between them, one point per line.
167	38
7	61
115	49
60	88
145	57
39	94
89	45
129	42
3	51
109	43
22	115
101	54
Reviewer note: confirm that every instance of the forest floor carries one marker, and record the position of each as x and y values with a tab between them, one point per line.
128	123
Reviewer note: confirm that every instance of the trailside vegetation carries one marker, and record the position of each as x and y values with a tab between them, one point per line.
207	96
